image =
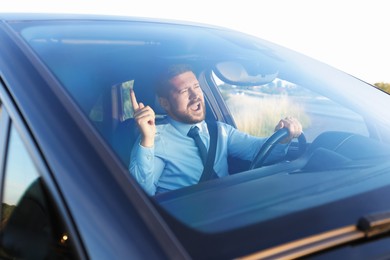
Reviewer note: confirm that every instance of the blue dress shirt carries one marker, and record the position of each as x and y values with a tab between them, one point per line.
174	162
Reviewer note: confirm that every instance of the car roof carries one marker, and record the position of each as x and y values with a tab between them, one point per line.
9	17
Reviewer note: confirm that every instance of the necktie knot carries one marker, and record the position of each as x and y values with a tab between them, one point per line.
194	131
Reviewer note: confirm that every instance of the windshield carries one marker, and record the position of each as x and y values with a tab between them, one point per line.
344	120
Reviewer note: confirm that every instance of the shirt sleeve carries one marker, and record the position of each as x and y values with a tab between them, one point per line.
245	146
145	167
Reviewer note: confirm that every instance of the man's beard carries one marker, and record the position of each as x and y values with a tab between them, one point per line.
189	118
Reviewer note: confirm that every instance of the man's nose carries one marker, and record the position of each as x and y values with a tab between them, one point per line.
193	94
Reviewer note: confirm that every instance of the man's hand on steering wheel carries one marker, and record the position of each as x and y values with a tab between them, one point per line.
286	130
293	126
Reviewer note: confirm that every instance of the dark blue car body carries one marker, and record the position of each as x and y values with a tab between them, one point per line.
55	68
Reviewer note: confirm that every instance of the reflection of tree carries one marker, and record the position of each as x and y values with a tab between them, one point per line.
33	229
7	211
383	86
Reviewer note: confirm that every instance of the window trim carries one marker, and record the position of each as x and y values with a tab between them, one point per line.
5	123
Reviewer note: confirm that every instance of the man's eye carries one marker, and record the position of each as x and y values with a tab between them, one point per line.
183	91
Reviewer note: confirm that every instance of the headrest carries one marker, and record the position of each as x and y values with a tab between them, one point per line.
158	109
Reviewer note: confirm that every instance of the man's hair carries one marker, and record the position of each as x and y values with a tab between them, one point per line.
163	84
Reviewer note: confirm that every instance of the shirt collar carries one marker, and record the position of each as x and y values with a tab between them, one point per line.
183	128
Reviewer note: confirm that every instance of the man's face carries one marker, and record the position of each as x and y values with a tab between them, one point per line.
185	102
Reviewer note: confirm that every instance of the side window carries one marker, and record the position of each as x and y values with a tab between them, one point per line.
30	226
257	109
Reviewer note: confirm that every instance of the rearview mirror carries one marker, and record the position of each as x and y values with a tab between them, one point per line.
236	73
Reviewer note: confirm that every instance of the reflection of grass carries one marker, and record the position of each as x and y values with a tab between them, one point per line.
259	116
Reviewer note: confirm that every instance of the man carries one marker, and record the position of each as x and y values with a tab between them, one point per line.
166	158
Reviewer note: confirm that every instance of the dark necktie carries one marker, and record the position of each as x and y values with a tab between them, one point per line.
194	133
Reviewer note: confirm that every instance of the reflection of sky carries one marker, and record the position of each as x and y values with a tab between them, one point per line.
20	170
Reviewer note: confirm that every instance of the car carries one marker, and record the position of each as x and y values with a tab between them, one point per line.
67	130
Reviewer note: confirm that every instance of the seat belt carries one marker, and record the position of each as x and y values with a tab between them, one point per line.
208	170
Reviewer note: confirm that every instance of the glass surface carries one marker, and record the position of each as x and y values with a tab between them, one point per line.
19	175
345	120
257	109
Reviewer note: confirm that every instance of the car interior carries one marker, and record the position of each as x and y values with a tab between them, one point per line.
330	150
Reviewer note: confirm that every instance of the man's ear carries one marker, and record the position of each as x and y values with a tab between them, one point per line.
164	103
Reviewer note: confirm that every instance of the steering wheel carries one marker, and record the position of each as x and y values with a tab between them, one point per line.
270	143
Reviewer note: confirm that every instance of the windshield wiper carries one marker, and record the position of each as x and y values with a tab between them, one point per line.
366	228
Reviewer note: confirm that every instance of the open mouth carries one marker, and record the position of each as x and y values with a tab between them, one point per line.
195	107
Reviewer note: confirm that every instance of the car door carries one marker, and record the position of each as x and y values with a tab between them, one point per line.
32	225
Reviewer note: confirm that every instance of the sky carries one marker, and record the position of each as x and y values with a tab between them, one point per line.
351	35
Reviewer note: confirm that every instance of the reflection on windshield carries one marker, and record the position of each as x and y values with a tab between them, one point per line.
345	121
256	109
